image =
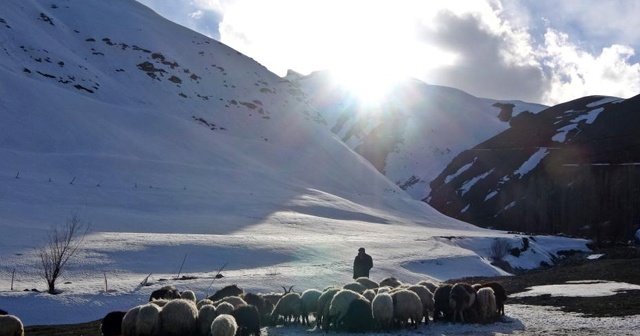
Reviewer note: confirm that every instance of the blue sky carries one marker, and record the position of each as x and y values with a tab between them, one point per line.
542	51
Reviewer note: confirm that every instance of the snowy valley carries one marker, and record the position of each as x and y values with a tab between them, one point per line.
186	156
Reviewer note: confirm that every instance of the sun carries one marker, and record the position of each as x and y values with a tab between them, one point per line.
369	86
373	71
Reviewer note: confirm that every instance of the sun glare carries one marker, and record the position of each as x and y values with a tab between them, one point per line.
368	46
372	73
373	56
369	86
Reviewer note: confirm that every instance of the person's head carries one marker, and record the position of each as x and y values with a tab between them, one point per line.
361	250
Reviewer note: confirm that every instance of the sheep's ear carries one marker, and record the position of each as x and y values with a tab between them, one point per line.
290	289
285	290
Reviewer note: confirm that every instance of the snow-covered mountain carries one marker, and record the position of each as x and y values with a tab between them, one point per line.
572	168
131	99
172	145
412	133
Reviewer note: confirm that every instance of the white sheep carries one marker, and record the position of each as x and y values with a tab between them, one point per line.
148	320
10	325
203	302
159	302
356	287
426	297
339	306
273	298
224	308
391	282
382	307
324	302
206	315
431	286
179	317
224	325
369	294
289	306
385	289
188	295
309	305
129	321
486	303
407	306
370	284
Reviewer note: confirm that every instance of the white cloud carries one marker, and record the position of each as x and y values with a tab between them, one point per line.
359	36
499	58
200	15
544	51
575	72
594	24
196	15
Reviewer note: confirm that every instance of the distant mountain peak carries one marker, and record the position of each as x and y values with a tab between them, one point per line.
293	75
416	131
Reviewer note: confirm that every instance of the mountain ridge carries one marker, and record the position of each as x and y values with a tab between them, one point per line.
568	169
413	132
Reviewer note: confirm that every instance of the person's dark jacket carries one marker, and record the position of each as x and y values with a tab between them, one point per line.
361	265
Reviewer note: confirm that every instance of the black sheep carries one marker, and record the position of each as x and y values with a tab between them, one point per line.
166	292
260	303
112	323
462	297
441	303
359	317
231	290
248	320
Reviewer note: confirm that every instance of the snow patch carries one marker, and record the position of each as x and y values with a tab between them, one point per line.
605	101
467	185
588	118
491	195
532	162
594	288
460	171
561	136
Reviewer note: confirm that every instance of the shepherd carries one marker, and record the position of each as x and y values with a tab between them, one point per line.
362	264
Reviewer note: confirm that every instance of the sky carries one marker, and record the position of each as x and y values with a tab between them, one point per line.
538	51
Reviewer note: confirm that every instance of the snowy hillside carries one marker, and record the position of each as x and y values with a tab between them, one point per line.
572	168
173	145
413	132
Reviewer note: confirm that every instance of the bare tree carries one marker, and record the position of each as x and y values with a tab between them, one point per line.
62	245
499	249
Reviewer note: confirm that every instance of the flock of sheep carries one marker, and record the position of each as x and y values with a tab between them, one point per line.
359	306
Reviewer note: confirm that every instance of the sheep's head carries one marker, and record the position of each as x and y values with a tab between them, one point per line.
287	291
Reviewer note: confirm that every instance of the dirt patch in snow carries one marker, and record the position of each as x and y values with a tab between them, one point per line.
620	265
